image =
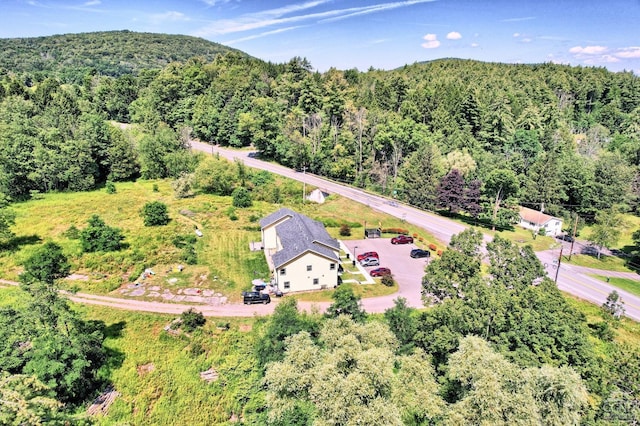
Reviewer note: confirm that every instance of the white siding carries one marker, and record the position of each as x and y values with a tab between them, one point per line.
301	279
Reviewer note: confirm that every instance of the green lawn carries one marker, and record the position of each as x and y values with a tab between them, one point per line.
606	263
632	286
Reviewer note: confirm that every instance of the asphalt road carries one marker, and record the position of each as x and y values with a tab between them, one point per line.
571	279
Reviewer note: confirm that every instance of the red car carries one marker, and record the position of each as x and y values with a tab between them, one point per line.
402	239
367	254
378	272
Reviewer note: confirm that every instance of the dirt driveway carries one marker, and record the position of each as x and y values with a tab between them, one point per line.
406	271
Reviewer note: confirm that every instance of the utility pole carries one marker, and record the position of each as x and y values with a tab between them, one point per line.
573	237
558	266
304	183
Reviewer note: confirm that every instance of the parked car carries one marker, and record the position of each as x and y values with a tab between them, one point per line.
416	253
565	237
370	261
368	254
378	272
402	239
251	297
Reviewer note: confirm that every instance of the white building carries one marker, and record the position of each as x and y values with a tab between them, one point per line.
537	220
300	253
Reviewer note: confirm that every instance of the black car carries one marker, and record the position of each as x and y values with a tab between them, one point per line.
416	253
565	237
251	297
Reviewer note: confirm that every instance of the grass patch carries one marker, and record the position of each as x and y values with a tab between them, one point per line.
626	284
224	262
361	290
606	263
159	381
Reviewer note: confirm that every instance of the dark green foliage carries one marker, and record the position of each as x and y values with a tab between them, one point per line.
345	230
387	280
113	53
72	233
98	236
7	219
346	303
46	265
285	321
155	213
110	187
46	338
191	320
241	197
450	192
402	322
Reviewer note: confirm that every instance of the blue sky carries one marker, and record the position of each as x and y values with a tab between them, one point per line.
363	33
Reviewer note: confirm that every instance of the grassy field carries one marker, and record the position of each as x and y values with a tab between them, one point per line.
225	263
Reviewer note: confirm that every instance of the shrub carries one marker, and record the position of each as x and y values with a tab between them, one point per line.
72	233
97	236
432	247
439	253
155	213
155	187
192	319
110	187
241	197
387	280
345	230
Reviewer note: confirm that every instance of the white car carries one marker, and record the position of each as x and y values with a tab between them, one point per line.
370	261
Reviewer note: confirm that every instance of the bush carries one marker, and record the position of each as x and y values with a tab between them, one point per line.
432	247
241	197
155	213
192	319
155	187
72	233
387	280
345	230
110	187
100	237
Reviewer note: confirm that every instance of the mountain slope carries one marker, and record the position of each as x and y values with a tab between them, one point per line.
112	53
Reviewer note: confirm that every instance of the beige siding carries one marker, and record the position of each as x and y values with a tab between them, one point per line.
301	279
270	238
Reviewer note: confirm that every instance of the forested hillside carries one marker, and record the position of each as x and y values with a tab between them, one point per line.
499	346
457	135
115	53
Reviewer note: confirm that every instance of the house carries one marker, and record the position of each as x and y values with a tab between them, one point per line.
300	253
536	220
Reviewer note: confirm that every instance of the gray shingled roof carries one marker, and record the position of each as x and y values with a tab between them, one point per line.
298	235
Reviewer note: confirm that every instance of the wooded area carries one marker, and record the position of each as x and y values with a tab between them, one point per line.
453	135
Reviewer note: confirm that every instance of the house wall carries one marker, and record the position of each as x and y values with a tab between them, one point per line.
300	279
269	238
553	227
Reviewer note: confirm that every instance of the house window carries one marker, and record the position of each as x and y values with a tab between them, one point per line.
287	285
308	267
283	271
332	266
316	281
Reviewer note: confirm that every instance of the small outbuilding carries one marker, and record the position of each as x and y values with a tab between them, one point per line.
317	196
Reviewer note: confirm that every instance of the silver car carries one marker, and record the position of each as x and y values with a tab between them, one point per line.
370	261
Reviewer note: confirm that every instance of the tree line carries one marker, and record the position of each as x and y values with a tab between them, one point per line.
439	135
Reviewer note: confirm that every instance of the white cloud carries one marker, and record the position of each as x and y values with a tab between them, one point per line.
526	18
169	16
93	3
628	52
475	45
278	16
588	50
431	41
610	59
526	40
516	35
454	35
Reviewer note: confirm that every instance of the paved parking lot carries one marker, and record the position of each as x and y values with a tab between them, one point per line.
406	271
